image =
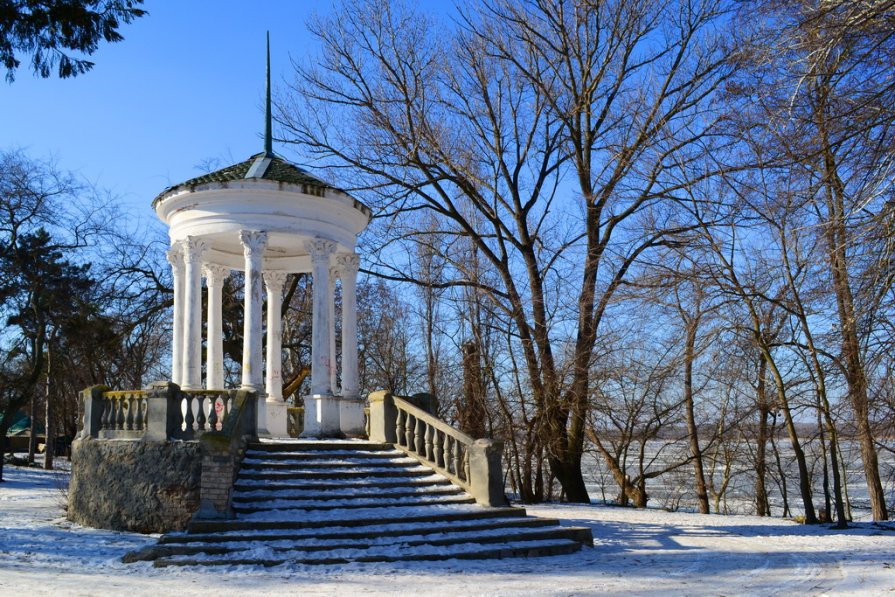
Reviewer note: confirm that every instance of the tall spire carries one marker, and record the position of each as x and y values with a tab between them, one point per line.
268	136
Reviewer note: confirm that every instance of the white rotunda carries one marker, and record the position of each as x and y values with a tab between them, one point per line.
268	218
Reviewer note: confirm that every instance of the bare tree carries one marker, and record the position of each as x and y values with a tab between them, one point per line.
819	83
476	121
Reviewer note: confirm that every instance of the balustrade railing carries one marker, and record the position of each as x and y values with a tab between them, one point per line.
162	411
200	411
473	464
123	414
433	441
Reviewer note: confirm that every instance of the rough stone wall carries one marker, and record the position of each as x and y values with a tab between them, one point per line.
147	487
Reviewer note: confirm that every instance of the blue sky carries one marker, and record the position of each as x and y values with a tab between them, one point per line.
185	86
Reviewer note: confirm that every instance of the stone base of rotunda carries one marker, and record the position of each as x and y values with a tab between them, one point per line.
272	418
322	416
351	417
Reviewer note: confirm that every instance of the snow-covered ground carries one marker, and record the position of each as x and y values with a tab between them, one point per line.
648	552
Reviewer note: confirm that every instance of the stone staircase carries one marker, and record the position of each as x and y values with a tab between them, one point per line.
332	502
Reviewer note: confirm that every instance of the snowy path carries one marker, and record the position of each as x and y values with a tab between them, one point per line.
636	552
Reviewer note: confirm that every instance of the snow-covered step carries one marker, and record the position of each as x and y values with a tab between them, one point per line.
369	517
341	501
399	529
327	446
250	465
465	551
327	484
289	547
334	473
310	505
339	492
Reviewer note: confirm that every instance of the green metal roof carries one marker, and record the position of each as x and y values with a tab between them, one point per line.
275	169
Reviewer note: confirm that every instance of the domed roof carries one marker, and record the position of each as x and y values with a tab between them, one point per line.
263	166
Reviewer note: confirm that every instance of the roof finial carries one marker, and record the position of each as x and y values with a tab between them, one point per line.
268	137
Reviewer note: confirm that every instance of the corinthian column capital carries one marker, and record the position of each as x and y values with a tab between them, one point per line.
193	248
175	258
320	249
274	281
348	263
215	274
253	242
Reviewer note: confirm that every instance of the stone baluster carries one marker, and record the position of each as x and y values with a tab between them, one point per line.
456	458
446	455
399	428
411	432
438	448
188	419
201	403
141	413
213	414
419	438
104	417
129	419
119	414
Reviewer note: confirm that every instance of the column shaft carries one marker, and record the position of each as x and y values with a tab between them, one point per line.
274	281
253	243
193	248
331	299
321	359
214	281
348	267
175	258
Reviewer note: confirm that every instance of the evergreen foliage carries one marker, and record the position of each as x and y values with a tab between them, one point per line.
56	32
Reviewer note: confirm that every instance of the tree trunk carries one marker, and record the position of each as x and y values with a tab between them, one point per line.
702	497
824	412
471	413
804	475
762	505
855	376
628	490
784	490
32	434
50	423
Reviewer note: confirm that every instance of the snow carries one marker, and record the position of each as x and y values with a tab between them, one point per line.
644	552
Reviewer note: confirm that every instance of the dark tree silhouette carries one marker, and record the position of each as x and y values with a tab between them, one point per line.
50	31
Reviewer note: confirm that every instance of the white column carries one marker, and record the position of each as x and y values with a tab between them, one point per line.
214	281
175	258
331	298
273	282
273	412
348	266
253	244
193	248
321	359
321	407
351	406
